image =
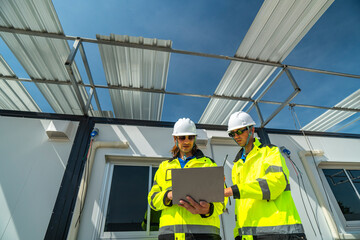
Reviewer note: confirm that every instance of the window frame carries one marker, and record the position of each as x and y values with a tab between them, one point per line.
349	226
112	161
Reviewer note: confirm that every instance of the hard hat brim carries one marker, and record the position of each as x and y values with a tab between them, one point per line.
184	134
240	126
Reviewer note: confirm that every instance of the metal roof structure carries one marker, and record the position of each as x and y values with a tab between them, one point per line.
268	39
13	95
136	68
331	118
42	58
139	68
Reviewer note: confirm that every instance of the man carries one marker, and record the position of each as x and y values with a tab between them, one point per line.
185	219
264	207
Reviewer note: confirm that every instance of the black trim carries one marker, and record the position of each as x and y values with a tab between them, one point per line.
293	236
236	192
41	115
189	236
198	154
310	133
211	211
60	220
267	145
238	155
263	135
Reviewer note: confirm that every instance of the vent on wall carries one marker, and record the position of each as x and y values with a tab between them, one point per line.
201	138
59	130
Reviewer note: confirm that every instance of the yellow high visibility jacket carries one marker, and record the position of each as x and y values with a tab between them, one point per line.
177	222
264	204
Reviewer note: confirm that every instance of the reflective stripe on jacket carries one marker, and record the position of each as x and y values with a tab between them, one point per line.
264	204
175	219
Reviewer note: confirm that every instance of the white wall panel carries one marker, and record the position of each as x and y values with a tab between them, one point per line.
31	170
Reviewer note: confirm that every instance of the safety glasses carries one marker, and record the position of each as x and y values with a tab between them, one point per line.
238	132
190	137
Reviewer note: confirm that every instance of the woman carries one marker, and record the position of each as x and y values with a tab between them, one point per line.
185	219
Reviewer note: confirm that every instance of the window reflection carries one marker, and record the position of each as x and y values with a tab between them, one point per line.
344	191
127	203
355	177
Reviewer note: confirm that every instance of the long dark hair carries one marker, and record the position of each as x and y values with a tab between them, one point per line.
175	151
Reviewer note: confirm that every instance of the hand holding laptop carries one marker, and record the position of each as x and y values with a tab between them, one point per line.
202	184
194	207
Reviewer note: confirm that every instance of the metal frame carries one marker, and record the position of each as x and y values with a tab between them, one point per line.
349	226
68	65
105	194
171	50
287	101
85	107
105	120
283	104
176	93
257	100
88	72
60	220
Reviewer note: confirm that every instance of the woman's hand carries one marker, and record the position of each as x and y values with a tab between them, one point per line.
169	195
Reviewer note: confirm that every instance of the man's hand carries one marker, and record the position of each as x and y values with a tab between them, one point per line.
228	192
194	207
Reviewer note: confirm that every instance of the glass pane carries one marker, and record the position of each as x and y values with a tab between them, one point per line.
128	199
345	195
355	177
154	169
154	215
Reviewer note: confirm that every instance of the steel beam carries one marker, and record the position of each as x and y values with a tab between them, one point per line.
292	79
175	93
267	88
87	106
171	50
68	65
259	113
348	124
88	72
287	101
293	94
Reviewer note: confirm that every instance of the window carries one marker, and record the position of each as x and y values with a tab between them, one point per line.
345	187
125	205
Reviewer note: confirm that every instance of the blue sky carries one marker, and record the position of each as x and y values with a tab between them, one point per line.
217	27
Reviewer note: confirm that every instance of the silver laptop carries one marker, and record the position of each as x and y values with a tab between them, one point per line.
206	183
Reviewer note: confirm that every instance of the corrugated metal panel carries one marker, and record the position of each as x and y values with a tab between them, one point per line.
42	58
135	67
276	30
332	117
13	95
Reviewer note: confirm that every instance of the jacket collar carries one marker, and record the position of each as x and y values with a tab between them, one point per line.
198	154
256	144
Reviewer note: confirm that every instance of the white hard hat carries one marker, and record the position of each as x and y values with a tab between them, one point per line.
184	127
239	120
